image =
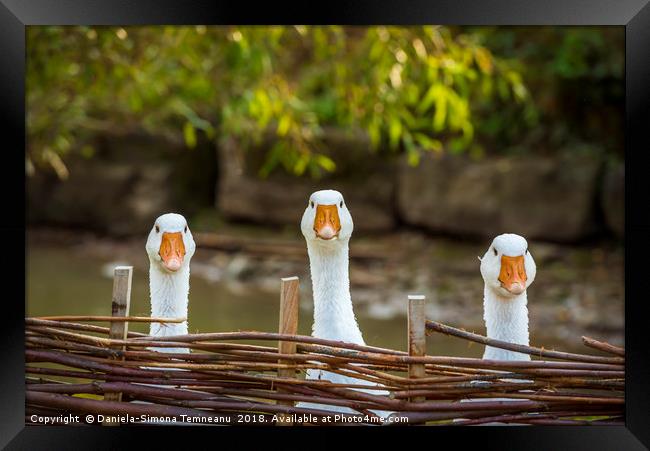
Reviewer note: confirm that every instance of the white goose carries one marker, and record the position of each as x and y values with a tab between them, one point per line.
508	269
170	247
327	227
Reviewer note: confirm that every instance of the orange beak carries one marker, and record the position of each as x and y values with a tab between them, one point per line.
327	224
513	274
172	250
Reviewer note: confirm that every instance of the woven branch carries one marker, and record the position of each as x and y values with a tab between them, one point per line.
226	375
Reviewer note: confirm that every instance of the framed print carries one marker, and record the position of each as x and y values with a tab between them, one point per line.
340	215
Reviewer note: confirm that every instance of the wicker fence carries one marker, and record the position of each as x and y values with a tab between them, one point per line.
77	367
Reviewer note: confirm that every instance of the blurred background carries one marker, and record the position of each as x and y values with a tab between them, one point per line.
440	138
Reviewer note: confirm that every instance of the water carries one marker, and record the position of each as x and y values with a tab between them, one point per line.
60	282
64	281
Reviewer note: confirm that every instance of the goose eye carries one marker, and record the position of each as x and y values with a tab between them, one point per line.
526	250
341	204
494	249
157	229
311	203
185	231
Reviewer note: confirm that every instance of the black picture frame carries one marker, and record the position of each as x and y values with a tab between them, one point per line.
634	15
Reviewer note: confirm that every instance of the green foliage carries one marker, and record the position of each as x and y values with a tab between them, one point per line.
412	89
575	79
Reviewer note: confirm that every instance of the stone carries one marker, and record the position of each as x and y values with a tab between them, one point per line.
613	199
367	182
88	198
129	182
537	197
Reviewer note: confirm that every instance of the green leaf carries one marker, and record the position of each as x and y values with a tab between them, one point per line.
325	162
394	132
374	131
87	151
413	158
441	113
428	98
427	143
283	125
301	164
189	133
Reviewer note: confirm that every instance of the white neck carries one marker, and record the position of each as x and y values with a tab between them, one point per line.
169	293
506	319
333	315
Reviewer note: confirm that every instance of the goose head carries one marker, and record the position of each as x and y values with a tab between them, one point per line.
327	220
170	244
507	267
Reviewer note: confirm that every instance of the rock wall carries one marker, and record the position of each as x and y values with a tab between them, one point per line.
613	199
537	197
367	182
128	182
134	178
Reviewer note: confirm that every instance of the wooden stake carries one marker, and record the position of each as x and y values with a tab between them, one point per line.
289	308
417	344
119	308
